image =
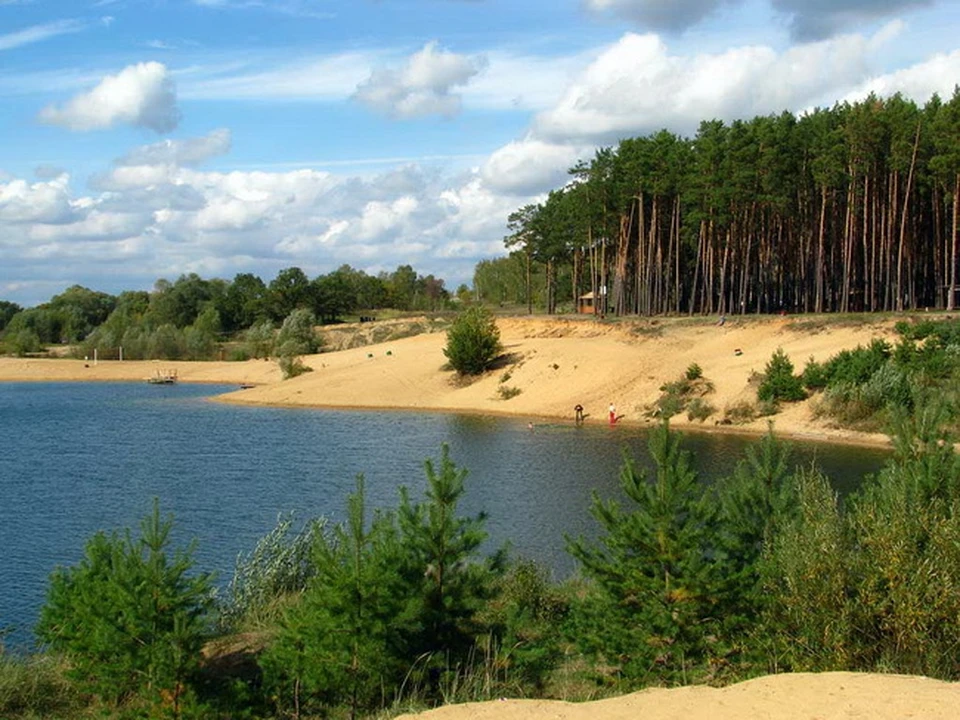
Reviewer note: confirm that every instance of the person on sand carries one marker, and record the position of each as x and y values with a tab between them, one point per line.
578	414
613	414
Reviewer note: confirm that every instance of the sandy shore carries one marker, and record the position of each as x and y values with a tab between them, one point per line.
553	364
826	696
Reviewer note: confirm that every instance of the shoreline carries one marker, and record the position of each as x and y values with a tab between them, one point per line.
549	366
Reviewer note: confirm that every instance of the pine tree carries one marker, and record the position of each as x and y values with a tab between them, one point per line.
130	618
652	565
334	646
446	579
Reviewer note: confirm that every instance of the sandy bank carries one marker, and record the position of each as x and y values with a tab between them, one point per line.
552	364
826	696
558	363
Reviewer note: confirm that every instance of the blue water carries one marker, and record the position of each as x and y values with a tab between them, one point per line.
82	457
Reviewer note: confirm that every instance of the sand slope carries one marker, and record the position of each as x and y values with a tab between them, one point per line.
558	363
554	363
826	696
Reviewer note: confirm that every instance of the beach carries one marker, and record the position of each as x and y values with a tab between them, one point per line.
550	365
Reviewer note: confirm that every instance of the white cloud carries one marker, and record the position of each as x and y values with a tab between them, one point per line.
43	202
939	74
422	86
189	152
142	95
637	86
529	166
39	33
329	77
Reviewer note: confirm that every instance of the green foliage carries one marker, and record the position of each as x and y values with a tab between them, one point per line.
129	617
699	409
473	341
298	335
808	583
508	391
683	394
22	342
337	645
259	339
694	372
779	382
524	618
447	583
35	687
280	565
292	366
396	603
656	605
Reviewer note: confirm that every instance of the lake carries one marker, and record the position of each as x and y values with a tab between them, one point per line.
81	457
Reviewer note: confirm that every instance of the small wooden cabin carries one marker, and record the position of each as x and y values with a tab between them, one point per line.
586	304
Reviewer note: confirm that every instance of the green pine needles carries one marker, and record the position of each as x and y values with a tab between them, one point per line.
473	341
393	603
130	617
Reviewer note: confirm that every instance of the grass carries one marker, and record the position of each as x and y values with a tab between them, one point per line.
36	687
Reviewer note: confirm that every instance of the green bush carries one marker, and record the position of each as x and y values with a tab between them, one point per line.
298	335
129	617
280	565
699	409
508	391
473	341
779	382
694	372
292	366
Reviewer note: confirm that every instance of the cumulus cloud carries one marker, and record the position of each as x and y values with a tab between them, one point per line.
809	19
670	15
637	86
184	153
42	202
422	86
142	95
818	19
936	75
529	166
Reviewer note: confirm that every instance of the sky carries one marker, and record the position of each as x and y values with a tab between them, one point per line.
146	139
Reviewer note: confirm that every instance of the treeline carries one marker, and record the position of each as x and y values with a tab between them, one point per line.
849	209
763	571
186	318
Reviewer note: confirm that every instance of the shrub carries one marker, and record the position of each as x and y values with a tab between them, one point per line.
508	391
279	565
128	617
739	413
814	375
298	335
23	342
779	382
699	409
473	341
259	339
292	366
694	372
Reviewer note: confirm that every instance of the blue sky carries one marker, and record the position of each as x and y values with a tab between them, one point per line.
149	138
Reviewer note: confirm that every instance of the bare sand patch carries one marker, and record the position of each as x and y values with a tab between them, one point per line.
801	696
